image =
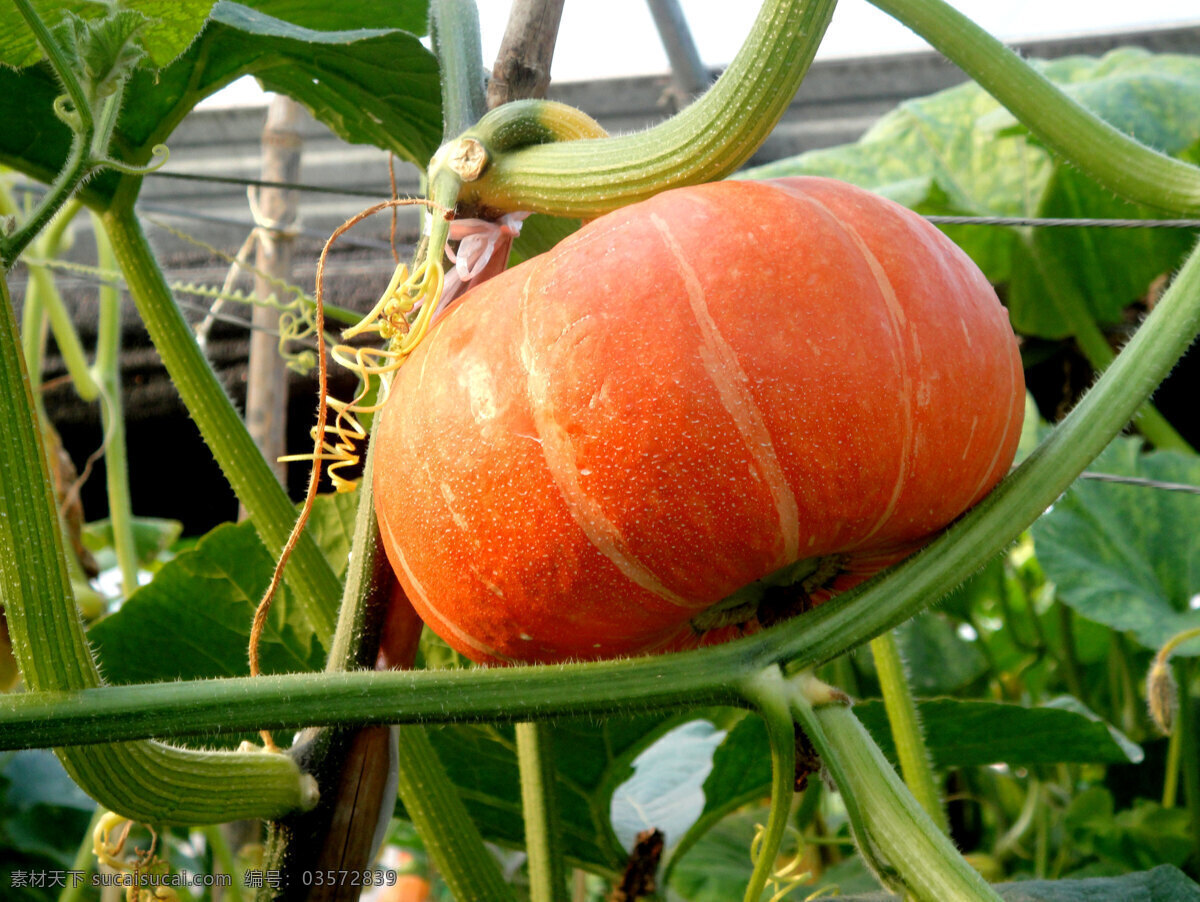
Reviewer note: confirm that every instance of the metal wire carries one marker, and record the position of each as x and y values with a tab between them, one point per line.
264	183
1144	483
1053	222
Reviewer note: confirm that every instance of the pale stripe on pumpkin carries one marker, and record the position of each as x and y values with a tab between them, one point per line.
559	455
731	382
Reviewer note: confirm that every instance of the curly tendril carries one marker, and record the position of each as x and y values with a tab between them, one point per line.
109	850
788	877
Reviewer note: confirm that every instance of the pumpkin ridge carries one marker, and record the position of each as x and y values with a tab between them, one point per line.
897	318
728	377
557	453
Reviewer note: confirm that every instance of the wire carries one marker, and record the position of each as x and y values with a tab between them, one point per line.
244	224
248	225
1053	222
263	183
1144	483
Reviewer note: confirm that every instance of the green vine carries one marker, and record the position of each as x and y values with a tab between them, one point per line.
309	574
146	781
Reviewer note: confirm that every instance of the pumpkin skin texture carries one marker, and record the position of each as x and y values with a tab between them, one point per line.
685	396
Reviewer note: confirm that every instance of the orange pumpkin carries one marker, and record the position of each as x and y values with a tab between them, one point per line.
689	394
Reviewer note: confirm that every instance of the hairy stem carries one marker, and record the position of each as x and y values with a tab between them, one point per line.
893	832
907	733
309	574
768	693
454	30
539	805
429	798
107	376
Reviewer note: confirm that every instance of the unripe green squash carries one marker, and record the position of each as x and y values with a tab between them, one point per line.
591	450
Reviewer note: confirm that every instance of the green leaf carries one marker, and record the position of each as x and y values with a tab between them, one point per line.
1139	837
152	536
1129	556
958	152
321	15
370	85
939	661
193	620
168	27
1162	884
102	50
978	733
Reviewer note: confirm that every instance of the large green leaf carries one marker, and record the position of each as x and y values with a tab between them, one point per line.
407	15
976	733
369	85
193	620
1129	556
959	152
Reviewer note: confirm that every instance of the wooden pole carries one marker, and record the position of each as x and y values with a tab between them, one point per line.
522	69
267	379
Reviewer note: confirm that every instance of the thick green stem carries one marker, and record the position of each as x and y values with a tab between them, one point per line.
454	30
365	598
539	805
146	781
907	733
107	377
706	141
1109	156
515	694
894	833
767	691
429	798
308	574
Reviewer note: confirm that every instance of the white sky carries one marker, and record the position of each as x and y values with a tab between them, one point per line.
607	38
